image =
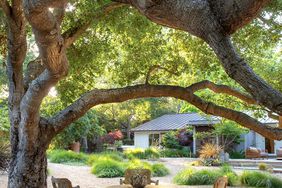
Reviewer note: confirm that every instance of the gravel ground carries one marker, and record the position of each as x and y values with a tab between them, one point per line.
80	175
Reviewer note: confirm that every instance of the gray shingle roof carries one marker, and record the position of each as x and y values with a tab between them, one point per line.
177	121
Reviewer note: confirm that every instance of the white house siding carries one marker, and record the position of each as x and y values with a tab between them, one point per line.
251	139
260	141
277	144
141	140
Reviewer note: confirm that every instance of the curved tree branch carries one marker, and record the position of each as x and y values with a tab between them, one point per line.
227	16
241	72
222	89
234	14
40	5
214	21
52	52
36	67
156	67
103	96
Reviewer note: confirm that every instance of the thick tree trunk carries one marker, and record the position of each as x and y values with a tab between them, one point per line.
29	169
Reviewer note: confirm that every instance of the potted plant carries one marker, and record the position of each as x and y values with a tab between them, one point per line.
75	146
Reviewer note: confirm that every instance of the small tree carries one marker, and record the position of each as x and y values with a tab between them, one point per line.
86	127
112	137
170	140
229	134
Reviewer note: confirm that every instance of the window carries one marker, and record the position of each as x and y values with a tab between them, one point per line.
154	139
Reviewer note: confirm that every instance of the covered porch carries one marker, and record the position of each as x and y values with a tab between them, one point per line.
151	133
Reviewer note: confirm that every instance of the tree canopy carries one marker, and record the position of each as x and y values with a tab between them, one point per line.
223	58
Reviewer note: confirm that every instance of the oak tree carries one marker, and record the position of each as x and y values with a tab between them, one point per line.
213	21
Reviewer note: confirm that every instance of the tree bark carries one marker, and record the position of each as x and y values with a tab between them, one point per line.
29	140
30	170
104	96
214	21
239	70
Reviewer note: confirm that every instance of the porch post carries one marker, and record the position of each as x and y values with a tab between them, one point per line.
194	140
160	139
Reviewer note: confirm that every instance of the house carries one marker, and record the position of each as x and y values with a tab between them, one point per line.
253	139
151	132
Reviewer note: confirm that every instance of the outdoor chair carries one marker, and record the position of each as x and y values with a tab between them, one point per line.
221	182
138	178
279	153
62	183
120	186
254	153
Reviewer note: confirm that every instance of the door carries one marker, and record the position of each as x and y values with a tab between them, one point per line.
269	145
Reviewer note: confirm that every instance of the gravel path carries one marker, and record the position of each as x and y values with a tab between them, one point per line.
80	175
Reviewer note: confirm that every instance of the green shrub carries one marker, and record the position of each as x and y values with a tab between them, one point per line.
116	156
262	166
159	170
136	163
205	177
226	169
182	178
233	178
237	155
135	153
259	179
170	140
63	156
150	153
128	141
108	168
175	152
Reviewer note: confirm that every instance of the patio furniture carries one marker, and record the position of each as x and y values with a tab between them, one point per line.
221	182
138	178
120	186
62	183
264	153
254	153
279	154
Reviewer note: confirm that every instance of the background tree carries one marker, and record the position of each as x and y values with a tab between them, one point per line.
64	23
229	134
